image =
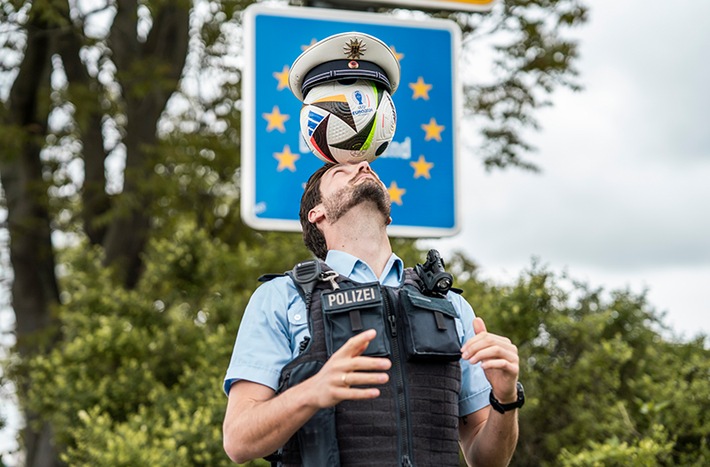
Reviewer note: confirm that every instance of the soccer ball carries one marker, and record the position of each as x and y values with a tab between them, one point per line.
348	121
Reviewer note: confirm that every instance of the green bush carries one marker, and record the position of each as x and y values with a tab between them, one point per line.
137	374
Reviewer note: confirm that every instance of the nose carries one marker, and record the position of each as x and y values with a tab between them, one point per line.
363	166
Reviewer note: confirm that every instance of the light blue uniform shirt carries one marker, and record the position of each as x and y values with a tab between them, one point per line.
275	322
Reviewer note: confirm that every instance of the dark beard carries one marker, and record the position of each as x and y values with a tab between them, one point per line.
347	198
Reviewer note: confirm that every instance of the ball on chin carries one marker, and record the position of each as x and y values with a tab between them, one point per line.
348	121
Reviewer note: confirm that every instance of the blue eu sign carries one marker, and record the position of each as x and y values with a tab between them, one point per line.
419	166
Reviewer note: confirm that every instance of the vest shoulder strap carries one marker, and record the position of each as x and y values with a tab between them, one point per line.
304	274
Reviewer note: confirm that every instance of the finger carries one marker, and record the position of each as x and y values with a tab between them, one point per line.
357	344
479	326
369	363
359	393
497	352
482	341
502	365
366	379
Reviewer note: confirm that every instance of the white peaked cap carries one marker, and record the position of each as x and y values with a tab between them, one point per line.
342	56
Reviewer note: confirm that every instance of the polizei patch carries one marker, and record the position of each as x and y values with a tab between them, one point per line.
349	298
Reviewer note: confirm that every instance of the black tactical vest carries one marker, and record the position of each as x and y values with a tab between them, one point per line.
414	421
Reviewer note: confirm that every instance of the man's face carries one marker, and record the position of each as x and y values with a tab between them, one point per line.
347	185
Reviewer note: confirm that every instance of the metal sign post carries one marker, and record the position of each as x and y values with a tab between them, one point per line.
418	168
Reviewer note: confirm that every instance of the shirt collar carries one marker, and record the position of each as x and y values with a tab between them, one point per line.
356	269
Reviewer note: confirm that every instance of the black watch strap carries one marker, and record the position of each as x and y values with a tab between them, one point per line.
503	408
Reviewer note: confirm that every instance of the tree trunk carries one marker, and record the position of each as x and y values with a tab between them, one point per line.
166	46
34	288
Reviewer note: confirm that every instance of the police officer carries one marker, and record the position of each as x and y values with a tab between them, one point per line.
358	378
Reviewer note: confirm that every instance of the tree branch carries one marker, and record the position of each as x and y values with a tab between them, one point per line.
123	39
86	93
154	72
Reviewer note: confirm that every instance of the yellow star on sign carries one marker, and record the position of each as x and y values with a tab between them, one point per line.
433	130
422	168
276	119
421	89
398	55
308	46
287	159
281	77
396	193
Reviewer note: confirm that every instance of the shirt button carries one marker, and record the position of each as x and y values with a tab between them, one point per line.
297	317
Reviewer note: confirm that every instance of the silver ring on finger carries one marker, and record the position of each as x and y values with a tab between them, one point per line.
344	379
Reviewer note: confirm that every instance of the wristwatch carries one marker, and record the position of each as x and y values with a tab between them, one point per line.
503	408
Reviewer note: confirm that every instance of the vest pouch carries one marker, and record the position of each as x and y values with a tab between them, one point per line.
349	311
429	327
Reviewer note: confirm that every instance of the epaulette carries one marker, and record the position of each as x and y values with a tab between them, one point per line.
268	277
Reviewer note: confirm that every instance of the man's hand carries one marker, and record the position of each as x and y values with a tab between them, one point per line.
499	360
258	421
347	368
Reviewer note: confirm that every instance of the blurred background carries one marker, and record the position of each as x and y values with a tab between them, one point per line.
620	200
125	266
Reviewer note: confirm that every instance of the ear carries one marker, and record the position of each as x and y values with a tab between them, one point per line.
316	214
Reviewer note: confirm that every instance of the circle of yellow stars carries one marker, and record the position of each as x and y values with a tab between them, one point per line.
275	120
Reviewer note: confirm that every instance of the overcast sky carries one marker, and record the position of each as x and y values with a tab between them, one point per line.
624	197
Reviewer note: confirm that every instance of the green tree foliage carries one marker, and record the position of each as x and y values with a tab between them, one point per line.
532	57
89	85
605	383
136	378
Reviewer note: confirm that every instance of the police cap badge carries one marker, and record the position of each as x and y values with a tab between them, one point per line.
343	56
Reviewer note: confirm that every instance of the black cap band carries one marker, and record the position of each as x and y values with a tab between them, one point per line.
341	69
